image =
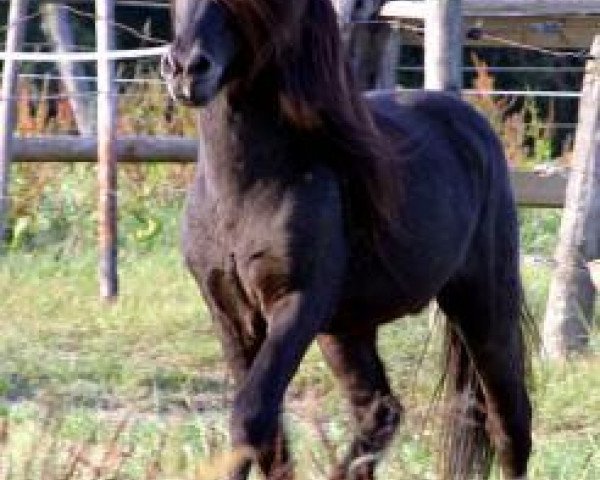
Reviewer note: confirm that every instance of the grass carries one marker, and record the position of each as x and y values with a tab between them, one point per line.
75	371
64	336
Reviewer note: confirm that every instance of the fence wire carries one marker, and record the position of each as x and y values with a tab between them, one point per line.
472	33
121	26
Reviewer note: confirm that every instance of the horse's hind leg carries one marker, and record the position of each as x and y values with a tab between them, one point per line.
485	336
355	362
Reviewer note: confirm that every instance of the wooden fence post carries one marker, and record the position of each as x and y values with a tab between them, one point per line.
443	45
373	48
570	307
107	159
14	40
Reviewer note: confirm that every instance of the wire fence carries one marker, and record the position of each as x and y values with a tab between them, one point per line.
53	57
84	54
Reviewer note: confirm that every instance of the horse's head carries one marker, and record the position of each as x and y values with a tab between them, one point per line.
205	46
219	41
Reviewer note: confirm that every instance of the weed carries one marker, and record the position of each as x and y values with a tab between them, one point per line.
525	135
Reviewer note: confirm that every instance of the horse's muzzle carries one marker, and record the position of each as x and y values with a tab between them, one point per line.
193	82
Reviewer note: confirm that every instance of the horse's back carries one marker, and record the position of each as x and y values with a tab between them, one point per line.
446	159
435	124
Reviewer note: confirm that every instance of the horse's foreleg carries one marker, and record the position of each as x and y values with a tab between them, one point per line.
240	348
294	319
355	362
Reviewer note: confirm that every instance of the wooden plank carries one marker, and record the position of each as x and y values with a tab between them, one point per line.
129	149
505	8
569	29
14	39
498	8
568	32
570	308
107	158
443	45
536	189
532	189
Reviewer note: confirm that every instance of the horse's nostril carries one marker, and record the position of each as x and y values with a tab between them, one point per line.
199	66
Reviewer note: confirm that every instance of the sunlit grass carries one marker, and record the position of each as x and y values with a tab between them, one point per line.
58	334
74	371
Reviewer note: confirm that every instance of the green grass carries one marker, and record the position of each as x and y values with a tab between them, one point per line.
539	230
57	334
74	368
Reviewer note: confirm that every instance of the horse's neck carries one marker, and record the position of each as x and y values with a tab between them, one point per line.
241	146
214	167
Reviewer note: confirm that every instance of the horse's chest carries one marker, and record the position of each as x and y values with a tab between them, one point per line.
212	236
247	249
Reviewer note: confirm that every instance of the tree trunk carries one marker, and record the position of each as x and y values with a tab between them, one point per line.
373	48
570	308
57	28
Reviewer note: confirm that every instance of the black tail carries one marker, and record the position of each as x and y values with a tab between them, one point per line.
465	449
489	335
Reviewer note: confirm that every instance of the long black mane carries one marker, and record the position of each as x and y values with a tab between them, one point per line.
298	43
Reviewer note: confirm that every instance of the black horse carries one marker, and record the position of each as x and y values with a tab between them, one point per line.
319	214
